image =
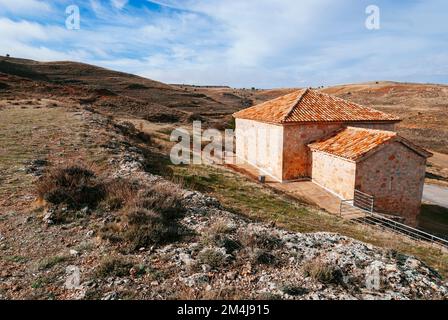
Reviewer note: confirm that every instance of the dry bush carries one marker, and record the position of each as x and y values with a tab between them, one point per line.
220	226
145	227
152	219
212	257
322	271
114	266
112	232
218	234
262	240
74	186
128	129
119	193
264	257
165	199
229	244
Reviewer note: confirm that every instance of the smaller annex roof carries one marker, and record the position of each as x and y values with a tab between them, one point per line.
308	105
354	143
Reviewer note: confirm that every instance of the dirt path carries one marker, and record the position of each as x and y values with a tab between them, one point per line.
436	195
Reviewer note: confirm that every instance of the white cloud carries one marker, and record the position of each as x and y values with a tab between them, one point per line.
119	4
24	6
242	43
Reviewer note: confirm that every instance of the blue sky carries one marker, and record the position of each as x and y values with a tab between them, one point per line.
241	43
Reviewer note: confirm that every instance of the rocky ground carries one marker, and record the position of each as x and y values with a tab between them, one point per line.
216	254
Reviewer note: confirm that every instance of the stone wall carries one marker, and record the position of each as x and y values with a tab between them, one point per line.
260	144
283	150
296	154
395	176
297	162
335	174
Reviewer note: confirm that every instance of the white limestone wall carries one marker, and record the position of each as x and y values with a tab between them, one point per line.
261	145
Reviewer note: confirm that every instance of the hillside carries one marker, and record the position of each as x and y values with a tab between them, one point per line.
422	107
86	214
110	91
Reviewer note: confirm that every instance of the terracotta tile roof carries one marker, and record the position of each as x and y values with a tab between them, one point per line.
311	106
354	143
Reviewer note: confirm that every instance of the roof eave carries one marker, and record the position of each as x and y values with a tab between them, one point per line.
285	122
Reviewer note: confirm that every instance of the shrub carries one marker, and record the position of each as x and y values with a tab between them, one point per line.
263	241
145	227
114	266
230	245
50	262
165	199
112	232
268	242
128	129
73	186
264	257
293	290
220	226
151	220
119	192
214	258
322	271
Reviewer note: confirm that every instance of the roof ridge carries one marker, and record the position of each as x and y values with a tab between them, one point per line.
415	147
296	103
308	105
263	104
392	133
355	103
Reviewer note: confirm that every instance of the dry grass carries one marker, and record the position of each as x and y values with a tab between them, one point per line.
212	257
149	219
39	132
321	271
74	186
146	228
113	266
119	193
50	262
220	226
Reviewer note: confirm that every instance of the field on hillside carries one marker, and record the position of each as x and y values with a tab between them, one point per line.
423	108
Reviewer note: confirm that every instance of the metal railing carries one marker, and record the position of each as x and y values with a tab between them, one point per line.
364	201
347	208
378	220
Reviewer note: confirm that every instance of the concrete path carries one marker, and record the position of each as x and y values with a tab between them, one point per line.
436	194
310	192
305	191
